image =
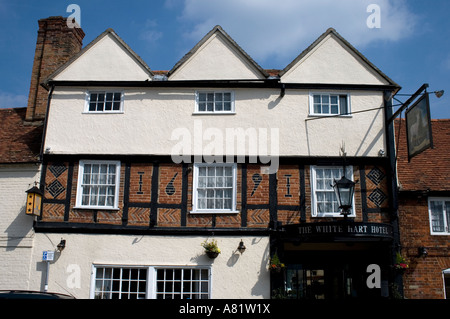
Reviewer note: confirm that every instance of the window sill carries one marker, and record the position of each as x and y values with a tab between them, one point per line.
212	211
331	215
330	115
214	113
116	112
96	208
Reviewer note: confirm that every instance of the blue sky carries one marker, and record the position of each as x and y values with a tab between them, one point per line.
411	45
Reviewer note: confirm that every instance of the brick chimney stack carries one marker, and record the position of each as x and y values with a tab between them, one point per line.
56	44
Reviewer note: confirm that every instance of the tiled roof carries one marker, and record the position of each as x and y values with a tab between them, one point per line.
19	142
430	170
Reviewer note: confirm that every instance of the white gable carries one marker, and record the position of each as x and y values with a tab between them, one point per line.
216	59
107	59
331	61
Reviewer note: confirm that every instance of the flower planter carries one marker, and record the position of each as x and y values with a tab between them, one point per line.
212	254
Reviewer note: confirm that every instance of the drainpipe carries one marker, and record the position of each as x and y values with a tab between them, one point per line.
44	132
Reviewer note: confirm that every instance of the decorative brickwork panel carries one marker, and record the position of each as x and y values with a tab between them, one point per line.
170	183
377	188
199	220
289	216
140	183
230	220
138	216
257	186
109	217
169	217
53	212
81	216
258	217
288	185
56	180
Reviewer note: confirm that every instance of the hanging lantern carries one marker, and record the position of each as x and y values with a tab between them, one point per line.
34	201
344	189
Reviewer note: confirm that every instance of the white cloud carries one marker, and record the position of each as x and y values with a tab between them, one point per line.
282	29
8	100
149	32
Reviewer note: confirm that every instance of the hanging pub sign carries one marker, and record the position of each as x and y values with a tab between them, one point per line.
418	127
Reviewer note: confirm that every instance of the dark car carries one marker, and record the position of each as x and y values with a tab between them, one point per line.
26	294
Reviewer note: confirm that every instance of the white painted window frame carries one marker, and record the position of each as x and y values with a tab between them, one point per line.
151	284
446	232
195	209
88	102
314	201
197	97
79	197
311	104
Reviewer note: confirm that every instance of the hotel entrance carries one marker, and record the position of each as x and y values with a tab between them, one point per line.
338	274
332	266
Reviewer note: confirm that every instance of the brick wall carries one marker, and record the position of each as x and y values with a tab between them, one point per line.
423	279
16	228
55	45
163	206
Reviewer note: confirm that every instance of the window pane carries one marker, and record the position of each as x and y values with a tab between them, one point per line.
120	283
214	102
186	284
98	185
105	101
343	104
218	97
437	216
227	106
317	99
116	106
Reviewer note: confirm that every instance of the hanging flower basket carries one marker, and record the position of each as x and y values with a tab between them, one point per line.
211	248
275	265
212	254
401	264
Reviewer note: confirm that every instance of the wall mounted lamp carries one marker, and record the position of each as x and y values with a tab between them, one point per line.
422	252
439	93
241	248
344	189
61	245
34	201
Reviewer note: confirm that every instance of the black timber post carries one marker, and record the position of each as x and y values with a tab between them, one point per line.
392	173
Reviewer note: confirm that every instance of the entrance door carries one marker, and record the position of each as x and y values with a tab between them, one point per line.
330	275
315	282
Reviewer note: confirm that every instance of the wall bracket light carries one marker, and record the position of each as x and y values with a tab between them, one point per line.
241	248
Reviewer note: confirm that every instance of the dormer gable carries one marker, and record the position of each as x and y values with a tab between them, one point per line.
217	57
107	58
332	60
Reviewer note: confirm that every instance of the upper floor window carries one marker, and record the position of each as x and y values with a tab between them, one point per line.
324	201
104	102
214	188
329	104
98	184
439	210
214	102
